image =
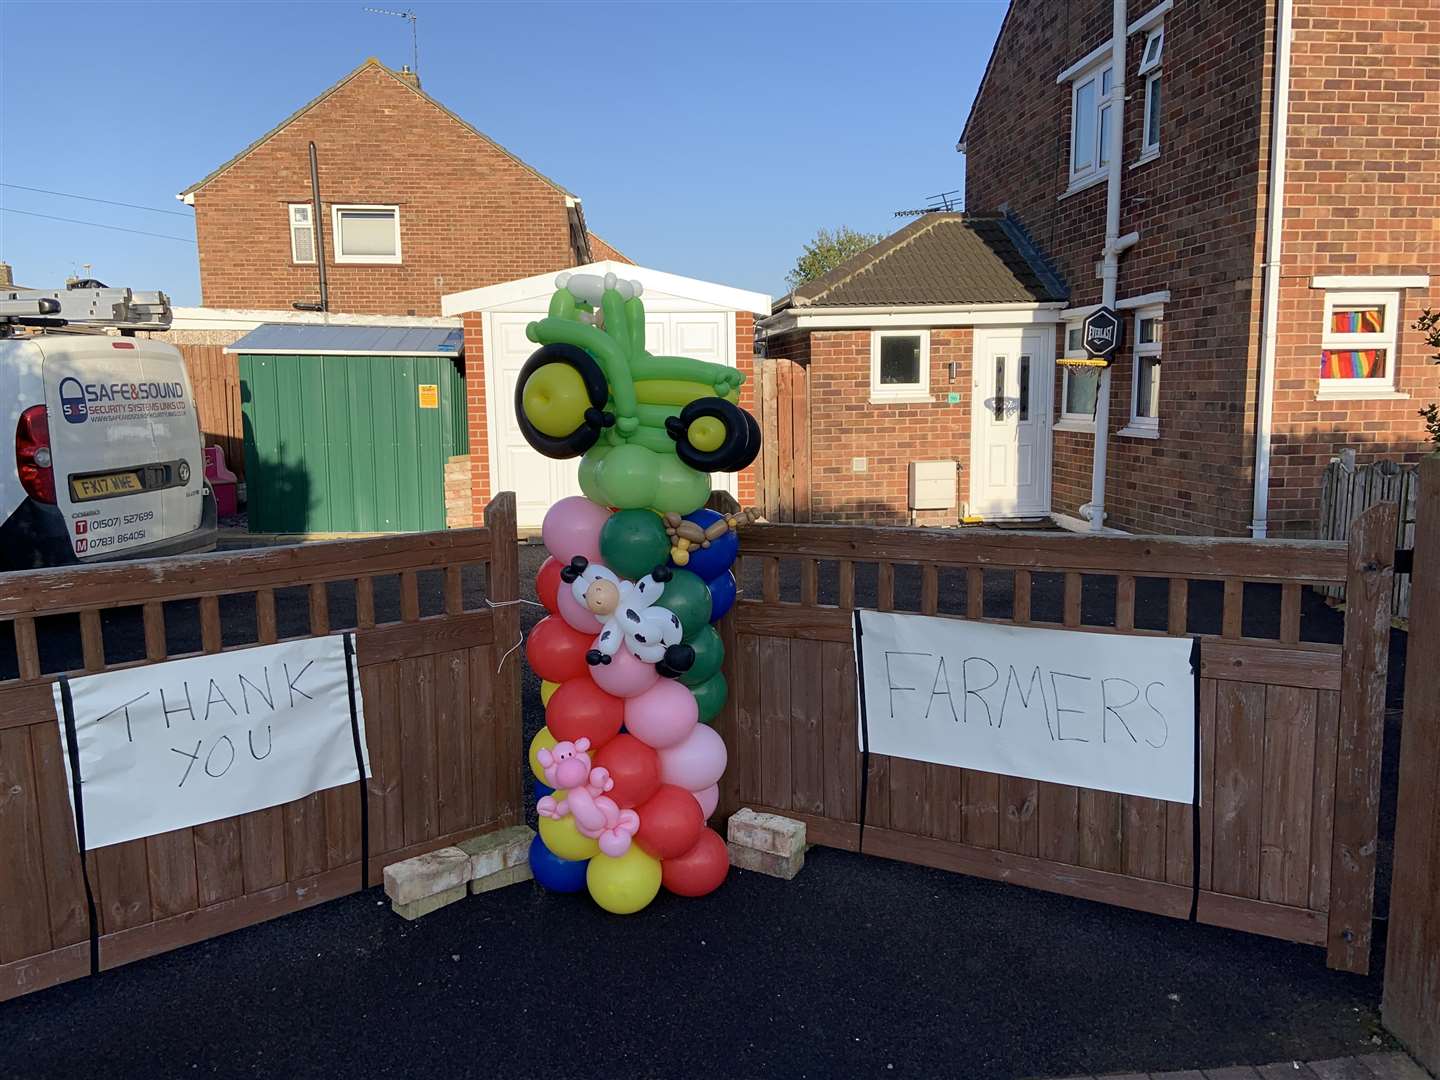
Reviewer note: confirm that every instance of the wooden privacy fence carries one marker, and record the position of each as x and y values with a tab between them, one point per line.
215	380
1349	490
442	728
782	409
1290	726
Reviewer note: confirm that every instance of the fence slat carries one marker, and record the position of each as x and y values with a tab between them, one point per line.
807	761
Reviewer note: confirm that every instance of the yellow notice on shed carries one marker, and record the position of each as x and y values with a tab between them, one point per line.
429	395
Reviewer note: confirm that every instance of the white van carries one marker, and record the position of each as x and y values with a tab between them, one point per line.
107	457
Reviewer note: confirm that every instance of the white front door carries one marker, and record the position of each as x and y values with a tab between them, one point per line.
537	480
1013	377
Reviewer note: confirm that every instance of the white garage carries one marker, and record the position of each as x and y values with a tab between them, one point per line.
683	317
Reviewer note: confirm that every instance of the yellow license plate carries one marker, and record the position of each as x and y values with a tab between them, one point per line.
99	487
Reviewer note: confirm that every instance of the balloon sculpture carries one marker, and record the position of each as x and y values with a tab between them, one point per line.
627	768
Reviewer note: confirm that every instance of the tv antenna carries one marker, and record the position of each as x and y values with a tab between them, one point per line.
414	33
945	203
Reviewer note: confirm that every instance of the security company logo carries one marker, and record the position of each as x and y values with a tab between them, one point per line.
72	401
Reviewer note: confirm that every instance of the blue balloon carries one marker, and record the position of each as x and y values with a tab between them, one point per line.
722	595
539	790
555	873
712	561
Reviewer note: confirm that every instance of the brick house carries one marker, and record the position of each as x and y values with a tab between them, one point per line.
415	203
1281	337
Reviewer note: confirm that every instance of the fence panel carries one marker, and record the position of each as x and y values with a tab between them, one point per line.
1348	491
1281	732
438	719
215	380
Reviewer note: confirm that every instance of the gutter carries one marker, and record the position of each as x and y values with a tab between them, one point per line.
1270	305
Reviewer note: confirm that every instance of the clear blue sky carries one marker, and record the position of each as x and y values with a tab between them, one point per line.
706	139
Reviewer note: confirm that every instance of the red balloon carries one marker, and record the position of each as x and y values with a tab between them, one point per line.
556	651
547	584
670	822
633	766
581	710
700	870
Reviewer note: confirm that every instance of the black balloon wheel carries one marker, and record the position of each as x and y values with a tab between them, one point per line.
734	451
587	431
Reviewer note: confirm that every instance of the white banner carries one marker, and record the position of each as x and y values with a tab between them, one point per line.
180	743
1115	712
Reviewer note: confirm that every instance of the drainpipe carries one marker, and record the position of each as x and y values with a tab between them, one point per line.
1094	510
1270	306
319	230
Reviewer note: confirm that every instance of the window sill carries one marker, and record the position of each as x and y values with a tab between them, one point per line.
1077	186
1133	432
1084	427
367	262
900	399
1360	394
1145	158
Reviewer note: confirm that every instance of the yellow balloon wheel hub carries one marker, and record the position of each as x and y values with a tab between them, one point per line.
555	400
706	434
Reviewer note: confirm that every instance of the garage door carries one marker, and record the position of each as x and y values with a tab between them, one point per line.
536	480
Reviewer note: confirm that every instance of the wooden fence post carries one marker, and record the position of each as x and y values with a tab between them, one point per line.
1364	665
1411	1006
504	585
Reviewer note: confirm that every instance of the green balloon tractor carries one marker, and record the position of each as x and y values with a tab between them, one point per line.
648	429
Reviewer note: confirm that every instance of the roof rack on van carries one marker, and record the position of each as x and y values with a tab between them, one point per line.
117	308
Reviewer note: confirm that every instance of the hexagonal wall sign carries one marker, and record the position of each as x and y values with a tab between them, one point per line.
1101	334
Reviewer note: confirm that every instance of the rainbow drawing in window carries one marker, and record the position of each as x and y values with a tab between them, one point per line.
1352	363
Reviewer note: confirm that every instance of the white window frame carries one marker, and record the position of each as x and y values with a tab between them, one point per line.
899	393
314	247
1331	389
1151	70
1143	427
1082	422
335	232
1097	169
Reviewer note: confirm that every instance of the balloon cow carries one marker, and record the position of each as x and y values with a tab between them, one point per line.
627	766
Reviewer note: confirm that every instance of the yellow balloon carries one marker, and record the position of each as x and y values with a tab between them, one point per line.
546	690
543	740
554	399
625	885
564	839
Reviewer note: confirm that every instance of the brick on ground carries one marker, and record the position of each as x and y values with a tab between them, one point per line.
511	875
411	880
766	843
427	904
492	852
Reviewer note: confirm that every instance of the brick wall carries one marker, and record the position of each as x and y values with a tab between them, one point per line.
1362	194
745	363
844	425
1194	207
470	215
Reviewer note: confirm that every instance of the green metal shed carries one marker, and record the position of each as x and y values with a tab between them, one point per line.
347	428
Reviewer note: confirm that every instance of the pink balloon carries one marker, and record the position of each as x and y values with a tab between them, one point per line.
626	676
663	716
695	763
576	613
709	798
572	527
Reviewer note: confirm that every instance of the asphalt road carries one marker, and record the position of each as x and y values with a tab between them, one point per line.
860	966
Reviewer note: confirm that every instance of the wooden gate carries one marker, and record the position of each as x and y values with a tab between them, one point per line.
215	380
782	404
1290	726
442	726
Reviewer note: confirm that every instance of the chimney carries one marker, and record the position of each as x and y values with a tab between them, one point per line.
7	279
412	77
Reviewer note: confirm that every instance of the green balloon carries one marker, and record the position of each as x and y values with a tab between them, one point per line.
709	654
688	597
710	696
633	542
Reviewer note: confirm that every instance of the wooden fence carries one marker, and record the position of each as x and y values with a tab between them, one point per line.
782	408
1412	965
215	380
442	728
1290	727
1348	491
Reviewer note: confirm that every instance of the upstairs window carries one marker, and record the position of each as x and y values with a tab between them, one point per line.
1090	115
367	234
302	233
1150	61
899	365
1357	349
